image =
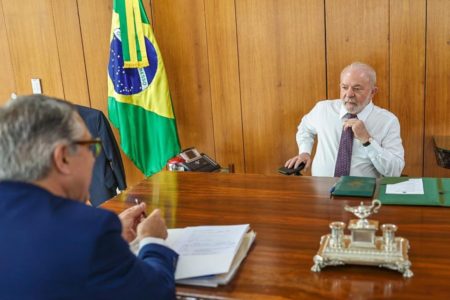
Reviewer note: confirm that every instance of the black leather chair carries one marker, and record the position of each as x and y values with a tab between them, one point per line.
442	150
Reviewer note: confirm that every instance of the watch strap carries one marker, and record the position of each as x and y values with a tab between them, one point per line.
367	143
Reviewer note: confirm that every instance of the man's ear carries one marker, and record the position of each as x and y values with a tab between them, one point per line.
374	90
60	159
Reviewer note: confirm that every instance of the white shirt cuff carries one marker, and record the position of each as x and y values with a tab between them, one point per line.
305	148
151	240
374	150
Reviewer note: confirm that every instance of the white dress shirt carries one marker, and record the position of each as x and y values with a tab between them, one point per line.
384	156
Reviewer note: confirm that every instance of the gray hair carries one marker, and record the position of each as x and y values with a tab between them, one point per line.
30	129
368	70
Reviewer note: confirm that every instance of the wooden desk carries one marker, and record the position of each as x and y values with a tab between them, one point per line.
290	214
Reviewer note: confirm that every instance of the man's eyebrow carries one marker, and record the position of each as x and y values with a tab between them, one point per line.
356	85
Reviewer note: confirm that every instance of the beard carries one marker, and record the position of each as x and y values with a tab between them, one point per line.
352	105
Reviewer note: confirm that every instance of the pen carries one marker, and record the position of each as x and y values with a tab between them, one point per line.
144	215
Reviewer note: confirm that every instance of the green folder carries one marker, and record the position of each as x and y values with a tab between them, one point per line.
354	186
436	192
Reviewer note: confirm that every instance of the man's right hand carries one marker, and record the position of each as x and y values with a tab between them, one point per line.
297	160
152	226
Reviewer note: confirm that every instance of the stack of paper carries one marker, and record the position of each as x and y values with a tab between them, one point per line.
209	255
411	186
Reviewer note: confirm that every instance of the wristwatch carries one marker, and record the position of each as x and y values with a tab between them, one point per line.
368	142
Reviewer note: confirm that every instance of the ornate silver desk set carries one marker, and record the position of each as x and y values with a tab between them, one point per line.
362	246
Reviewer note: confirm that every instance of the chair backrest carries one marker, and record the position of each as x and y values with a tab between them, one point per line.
442	155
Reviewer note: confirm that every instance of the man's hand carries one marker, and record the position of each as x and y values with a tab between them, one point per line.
359	129
130	218
152	226
297	160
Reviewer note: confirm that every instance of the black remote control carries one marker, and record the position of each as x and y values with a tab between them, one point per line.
289	171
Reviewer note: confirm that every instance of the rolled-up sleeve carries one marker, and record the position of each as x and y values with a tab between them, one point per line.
306	132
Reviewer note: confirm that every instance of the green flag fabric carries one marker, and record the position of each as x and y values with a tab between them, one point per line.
139	102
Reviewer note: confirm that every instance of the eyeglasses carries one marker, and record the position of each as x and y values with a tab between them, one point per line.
95	145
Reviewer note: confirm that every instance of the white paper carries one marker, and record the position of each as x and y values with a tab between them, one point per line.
222	279
410	187
205	250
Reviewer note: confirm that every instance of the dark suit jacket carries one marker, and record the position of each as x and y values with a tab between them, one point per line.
108	173
57	248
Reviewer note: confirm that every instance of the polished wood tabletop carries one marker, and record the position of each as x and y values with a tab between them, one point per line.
289	215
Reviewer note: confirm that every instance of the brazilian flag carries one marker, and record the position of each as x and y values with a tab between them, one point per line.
139	102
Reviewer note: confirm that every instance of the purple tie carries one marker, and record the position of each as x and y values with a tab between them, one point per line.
344	157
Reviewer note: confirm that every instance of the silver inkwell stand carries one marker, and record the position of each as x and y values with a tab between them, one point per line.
362	246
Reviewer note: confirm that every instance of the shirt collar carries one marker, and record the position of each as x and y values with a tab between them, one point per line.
362	115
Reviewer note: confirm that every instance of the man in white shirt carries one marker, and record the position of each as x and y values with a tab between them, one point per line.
377	146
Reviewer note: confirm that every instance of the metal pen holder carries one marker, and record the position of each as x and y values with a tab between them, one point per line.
389	237
337	235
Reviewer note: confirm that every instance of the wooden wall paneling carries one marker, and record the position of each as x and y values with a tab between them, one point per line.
282	75
148	10
358	30
70	48
33	46
437	98
95	21
7	85
407	77
181	35
224	79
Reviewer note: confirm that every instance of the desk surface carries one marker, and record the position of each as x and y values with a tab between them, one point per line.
289	215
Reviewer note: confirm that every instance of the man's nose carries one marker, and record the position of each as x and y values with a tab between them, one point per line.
350	92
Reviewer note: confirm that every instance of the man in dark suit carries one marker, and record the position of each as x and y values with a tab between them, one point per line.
53	246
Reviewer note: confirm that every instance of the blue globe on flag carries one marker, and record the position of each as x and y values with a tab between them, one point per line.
129	81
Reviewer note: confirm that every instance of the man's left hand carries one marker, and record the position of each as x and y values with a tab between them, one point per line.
359	129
